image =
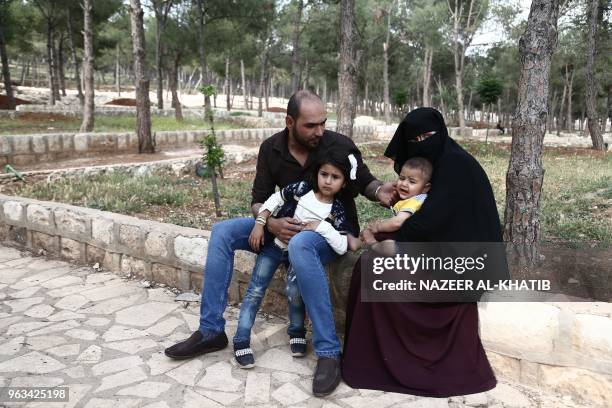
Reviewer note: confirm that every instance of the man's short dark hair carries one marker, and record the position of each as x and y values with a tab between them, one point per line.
293	107
422	164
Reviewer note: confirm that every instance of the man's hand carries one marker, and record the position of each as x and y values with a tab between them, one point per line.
311	226
387	194
284	228
256	239
372	226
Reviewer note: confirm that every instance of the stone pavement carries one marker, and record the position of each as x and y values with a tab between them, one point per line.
103	337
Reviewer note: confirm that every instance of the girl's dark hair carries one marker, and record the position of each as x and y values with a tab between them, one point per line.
336	158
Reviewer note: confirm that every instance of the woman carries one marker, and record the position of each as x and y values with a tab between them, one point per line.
426	349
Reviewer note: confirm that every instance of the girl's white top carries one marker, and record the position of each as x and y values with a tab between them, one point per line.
309	208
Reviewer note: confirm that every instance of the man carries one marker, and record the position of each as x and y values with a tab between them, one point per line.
284	158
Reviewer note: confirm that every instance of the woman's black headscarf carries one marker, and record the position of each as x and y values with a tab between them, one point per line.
460	206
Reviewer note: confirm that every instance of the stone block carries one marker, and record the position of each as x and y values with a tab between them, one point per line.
81	142
133	266
161	139
156	244
520	329
122	141
13	211
22	144
592	336
95	255
196	282
190	250
54	143
112	262
5	145
102	142
505	366
39	145
129	235
4	231
18	235
47	242
39	215
171	138
102	230
582	384
133	140
67	141
71	249
244	261
72	222
166	274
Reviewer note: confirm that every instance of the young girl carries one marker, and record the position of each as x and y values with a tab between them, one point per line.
314	203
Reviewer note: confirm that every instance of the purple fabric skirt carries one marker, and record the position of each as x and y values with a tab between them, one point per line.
424	349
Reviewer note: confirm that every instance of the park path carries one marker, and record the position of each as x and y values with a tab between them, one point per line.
103	336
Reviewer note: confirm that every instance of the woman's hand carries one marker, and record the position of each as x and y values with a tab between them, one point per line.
367	236
256	239
311	226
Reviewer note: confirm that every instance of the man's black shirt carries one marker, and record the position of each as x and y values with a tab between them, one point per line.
276	167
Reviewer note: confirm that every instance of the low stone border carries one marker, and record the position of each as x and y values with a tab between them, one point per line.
20	150
564	347
177	167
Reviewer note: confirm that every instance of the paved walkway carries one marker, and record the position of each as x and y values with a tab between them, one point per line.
103	337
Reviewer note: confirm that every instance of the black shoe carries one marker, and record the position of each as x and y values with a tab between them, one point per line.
244	355
197	344
298	346
327	376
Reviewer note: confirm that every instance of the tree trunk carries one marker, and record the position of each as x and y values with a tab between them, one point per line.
591	87
295	52
244	91
525	172
324	98
551	110
60	64
51	68
387	103
159	27
56	73
75	60
172	83
427	75
262	82
267	87
6	74
227	85
348	70
24	70
569	77
560	116
143	105
208	111
117	72
88	67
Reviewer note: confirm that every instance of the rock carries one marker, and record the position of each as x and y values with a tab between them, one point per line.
187	297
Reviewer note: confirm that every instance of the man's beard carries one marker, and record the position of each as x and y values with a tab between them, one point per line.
298	138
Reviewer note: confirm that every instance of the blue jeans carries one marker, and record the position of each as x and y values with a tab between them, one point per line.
308	252
268	260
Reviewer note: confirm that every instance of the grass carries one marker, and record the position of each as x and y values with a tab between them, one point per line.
35	123
576	199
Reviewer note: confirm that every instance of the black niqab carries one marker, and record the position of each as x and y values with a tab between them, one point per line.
460	206
428	349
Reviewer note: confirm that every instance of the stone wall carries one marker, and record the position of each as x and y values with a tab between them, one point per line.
20	150
565	347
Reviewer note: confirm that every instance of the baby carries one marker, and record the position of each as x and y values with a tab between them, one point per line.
412	187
